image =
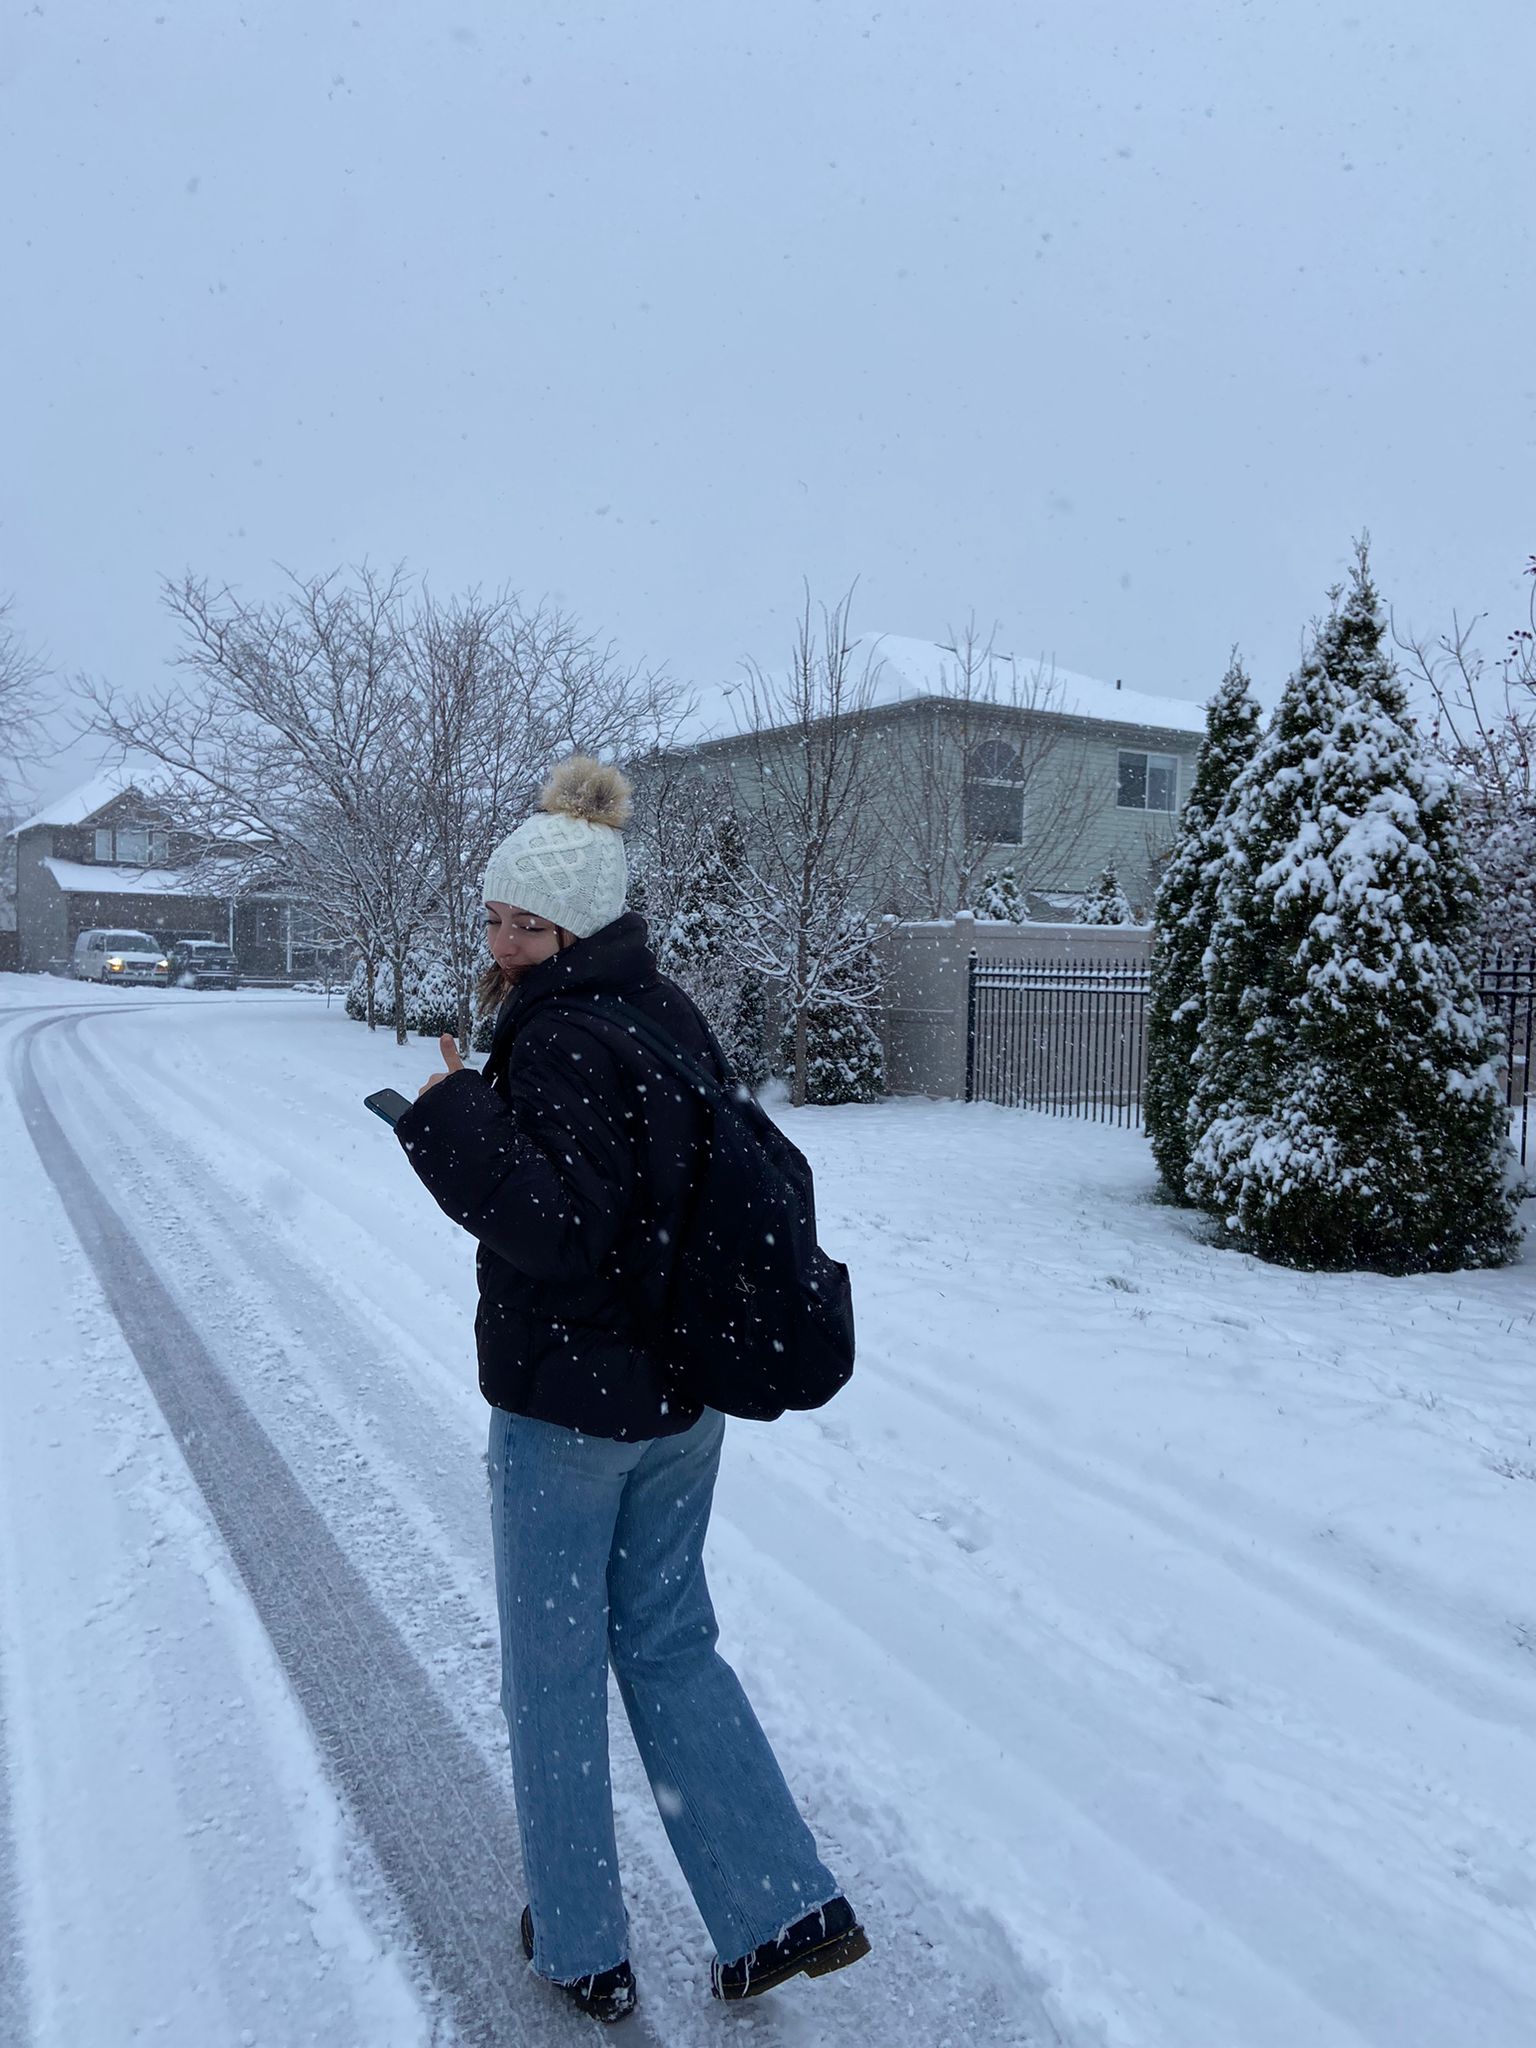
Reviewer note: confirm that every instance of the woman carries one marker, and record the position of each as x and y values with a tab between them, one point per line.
569	1160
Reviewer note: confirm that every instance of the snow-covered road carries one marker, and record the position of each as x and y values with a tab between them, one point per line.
1150	1635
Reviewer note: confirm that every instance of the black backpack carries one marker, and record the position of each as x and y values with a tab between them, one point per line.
750	1334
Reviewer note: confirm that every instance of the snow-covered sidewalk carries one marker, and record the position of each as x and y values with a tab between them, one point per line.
1149	1633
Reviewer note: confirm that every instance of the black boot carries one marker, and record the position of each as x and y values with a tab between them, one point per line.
828	1939
608	1996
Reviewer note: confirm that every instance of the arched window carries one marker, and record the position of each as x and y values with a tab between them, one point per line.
994	794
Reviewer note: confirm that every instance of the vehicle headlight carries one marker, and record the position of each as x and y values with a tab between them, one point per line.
115	965
164	967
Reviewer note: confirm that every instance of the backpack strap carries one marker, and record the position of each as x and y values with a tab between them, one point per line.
635	1024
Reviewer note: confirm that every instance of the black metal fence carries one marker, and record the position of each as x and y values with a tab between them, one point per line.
1507	985
1069	1036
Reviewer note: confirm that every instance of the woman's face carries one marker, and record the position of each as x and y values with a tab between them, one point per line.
517	938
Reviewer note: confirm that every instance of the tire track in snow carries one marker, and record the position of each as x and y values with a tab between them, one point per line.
1320	1926
438	1821
13	1980
1459	1672
990	2001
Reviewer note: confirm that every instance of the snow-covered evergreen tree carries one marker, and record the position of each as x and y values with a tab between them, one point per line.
694	948
701	950
383	979
431	993
1106	902
1346	1111
431	997
1000	897
747	1044
845	1061
1184	914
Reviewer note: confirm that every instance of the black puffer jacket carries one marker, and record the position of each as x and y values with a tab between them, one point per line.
567	1160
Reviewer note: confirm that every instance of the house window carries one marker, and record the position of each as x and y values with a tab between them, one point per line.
994	794
159	848
1148	782
103	842
133	844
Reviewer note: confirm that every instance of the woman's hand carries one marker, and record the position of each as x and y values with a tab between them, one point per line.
448	1046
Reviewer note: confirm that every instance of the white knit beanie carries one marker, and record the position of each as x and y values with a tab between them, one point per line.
567	863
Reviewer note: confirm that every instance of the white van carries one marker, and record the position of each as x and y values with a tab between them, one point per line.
119	956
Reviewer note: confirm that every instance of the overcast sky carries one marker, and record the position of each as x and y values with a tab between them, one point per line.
1111	322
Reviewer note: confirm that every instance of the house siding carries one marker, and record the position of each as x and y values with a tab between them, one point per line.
49	918
42	909
1081	765
1135	843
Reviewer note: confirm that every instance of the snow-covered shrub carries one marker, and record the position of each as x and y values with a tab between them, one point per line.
844	1058
431	999
999	897
356	1003
1346	1110
1106	902
1505	851
1184	914
747	1044
431	1003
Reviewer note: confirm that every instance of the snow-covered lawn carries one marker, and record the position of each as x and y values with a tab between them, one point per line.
1150	1634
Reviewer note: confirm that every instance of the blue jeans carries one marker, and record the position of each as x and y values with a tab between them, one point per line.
599	1557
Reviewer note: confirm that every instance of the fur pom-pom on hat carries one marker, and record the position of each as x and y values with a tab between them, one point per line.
567	862
594	791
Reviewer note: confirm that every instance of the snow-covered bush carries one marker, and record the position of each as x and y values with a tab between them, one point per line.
1184	914
431	999
747	1044
844	1059
1000	898
356	1003
1106	902
1346	1111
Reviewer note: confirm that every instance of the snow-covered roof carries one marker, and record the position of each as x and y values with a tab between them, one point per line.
904	669
84	801
87	878
920	668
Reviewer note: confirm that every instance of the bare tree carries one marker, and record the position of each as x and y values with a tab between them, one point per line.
477	755
290	754
991	770
812	858
366	746
496	694
1483	726
21	673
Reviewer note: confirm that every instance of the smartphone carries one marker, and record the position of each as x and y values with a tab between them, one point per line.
388	1103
